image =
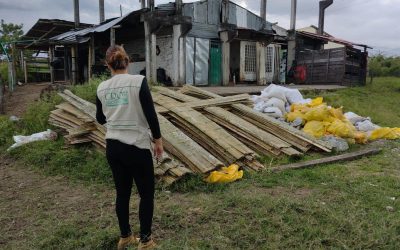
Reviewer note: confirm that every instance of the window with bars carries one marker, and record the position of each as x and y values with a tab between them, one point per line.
269	59
250	58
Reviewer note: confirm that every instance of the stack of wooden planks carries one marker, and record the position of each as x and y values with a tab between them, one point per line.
201	131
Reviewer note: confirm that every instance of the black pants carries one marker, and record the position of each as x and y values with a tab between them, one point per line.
130	163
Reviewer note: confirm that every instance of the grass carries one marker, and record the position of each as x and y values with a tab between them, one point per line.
335	206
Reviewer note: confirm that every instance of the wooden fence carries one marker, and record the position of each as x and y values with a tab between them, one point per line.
342	66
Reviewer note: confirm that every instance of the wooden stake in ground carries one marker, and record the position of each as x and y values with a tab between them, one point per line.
332	159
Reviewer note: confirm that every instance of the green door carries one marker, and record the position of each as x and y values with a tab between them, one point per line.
215	72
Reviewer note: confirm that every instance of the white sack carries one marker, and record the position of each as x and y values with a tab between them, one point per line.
22	139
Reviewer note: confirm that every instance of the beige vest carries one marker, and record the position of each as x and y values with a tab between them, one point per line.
126	121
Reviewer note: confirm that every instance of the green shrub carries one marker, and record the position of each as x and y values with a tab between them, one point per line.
37	115
88	90
7	129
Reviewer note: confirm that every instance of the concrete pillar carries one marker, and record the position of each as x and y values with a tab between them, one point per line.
177	47
147	50
101	11
226	51
260	64
153	62
182	61
291	52
51	59
76	13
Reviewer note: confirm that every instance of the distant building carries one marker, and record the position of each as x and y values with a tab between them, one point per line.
314	30
210	42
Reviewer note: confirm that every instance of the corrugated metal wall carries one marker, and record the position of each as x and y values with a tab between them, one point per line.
197	55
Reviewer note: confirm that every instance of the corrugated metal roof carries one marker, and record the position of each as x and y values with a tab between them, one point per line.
80	36
330	39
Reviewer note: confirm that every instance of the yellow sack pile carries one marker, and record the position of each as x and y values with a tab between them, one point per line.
225	175
320	120
385	133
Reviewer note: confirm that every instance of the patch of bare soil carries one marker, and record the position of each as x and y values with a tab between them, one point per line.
28	198
18	101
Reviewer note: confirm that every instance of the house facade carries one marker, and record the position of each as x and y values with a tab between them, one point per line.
204	43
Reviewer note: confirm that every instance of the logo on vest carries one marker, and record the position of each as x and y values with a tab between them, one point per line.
116	97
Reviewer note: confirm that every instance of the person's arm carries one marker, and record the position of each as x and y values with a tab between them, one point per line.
148	109
100	117
151	116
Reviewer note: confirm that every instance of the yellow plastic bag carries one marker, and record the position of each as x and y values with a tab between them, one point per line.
316	102
319	113
315	128
337	113
225	175
385	133
290	117
343	129
302	108
361	137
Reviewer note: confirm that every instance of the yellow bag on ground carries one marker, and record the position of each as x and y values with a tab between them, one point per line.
343	129
316	102
319	113
385	133
316	129
225	175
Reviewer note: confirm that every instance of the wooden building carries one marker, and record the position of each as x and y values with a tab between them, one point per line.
345	65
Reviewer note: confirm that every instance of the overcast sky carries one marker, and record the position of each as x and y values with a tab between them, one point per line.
372	22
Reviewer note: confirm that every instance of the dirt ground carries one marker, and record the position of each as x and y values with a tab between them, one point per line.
32	197
23	191
17	102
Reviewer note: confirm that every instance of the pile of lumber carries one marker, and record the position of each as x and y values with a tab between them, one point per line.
201	131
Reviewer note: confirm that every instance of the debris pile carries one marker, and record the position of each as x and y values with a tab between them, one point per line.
318	119
202	132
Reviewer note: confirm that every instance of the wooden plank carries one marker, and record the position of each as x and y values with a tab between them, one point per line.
332	159
184	148
279	129
221	101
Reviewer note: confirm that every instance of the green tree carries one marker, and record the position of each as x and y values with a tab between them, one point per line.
9	32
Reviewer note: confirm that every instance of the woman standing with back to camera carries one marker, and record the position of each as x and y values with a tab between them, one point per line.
125	105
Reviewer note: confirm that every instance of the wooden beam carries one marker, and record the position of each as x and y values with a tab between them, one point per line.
332	159
40	38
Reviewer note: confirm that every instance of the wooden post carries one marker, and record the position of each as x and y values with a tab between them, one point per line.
13	68
260	64
74	77
226	50
51	58
90	57
25	70
112	36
